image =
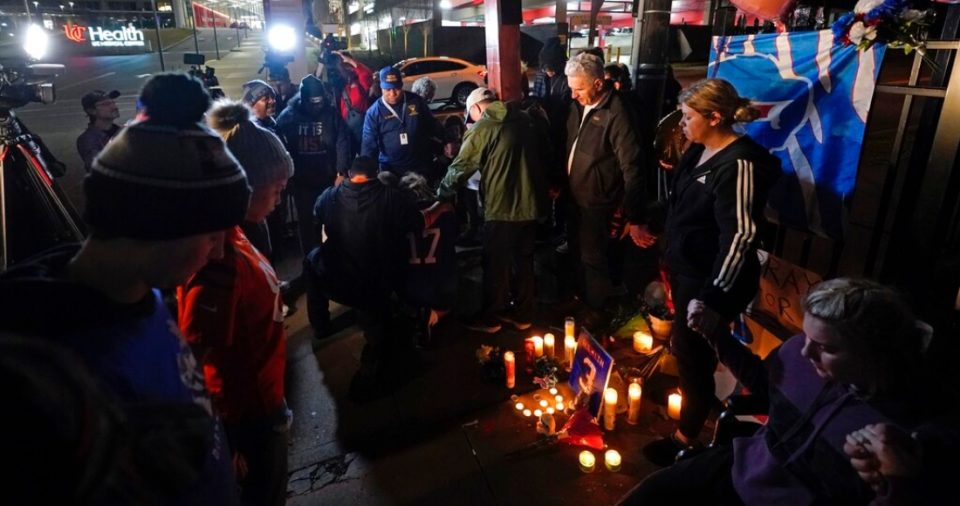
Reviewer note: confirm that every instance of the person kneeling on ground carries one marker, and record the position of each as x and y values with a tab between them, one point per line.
430	280
858	362
361	263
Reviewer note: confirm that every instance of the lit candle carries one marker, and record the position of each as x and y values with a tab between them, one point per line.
548	344
558	398
543	403
559	406
642	342
673	405
519	406
510	363
527	412
587	461
538	346
633	409
553	391
569	326
537	413
609	408
612	459
550	411
569	348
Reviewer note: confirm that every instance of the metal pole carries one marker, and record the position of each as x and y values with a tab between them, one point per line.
156	25
216	43
236	16
26	5
196	44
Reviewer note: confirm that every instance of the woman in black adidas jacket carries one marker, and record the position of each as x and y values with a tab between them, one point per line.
715	215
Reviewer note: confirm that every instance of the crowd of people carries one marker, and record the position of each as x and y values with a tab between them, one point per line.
186	404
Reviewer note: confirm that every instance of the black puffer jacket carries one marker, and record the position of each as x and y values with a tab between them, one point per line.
715	217
606	171
366	248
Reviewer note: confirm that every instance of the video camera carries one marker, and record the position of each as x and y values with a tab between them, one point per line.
22	83
207	75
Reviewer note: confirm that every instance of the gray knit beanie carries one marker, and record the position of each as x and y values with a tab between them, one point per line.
255	90
158	182
258	150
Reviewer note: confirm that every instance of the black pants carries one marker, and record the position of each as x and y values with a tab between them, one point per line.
589	238
696	360
373	310
702	479
265	449
469	212
277	227
304	198
508	256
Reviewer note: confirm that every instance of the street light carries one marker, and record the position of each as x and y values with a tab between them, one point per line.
445	5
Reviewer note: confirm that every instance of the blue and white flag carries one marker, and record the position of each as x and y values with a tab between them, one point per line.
814	96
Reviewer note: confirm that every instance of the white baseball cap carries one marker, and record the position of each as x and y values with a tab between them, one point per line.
476	96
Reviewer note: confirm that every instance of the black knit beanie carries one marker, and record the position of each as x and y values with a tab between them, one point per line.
159	182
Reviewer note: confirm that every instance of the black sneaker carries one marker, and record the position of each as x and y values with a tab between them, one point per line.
486	324
663	452
514	320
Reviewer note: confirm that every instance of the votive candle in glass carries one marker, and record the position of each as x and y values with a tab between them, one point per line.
569	348
642	342
633	409
609	408
510	364
538	346
587	461
549	341
674	402
612	460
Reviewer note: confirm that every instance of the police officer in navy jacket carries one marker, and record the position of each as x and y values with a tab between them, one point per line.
399	130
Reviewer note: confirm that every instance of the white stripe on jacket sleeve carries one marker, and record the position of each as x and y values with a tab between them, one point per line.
746	228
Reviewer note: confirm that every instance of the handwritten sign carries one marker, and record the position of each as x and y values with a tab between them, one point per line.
782	288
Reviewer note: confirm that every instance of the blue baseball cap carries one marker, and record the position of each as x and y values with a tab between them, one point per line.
390	78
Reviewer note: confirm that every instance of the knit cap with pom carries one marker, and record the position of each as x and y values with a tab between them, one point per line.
258	150
159	182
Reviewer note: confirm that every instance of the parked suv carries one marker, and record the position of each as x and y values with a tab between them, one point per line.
455	78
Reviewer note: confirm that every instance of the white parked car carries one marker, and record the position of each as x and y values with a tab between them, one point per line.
455	78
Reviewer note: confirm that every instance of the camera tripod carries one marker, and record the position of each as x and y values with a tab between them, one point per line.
34	212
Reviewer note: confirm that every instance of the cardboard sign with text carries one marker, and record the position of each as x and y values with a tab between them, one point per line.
783	286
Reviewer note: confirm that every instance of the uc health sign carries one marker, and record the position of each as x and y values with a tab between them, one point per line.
97	36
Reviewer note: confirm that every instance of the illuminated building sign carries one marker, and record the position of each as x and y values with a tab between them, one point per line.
128	36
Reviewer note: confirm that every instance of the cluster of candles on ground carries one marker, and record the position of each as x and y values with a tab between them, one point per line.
611	459
538	346
550	405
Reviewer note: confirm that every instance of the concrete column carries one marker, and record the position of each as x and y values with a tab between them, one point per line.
594	12
179	13
651	58
563	27
502	25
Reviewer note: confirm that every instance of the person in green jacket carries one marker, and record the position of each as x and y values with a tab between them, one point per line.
506	145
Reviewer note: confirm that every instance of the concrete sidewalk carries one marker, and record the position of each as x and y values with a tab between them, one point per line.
239	64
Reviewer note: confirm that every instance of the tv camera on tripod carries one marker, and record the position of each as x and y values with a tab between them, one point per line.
34	212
